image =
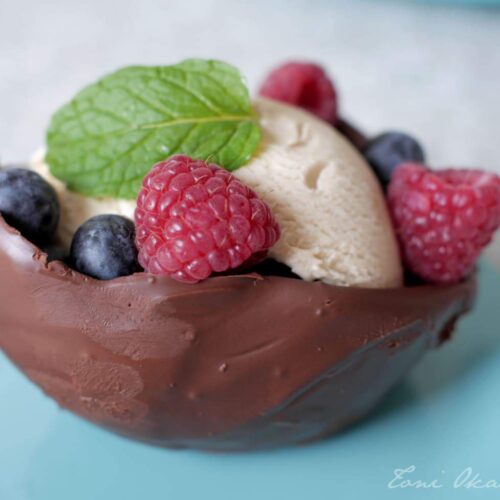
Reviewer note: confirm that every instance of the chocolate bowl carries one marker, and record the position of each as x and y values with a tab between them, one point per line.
233	363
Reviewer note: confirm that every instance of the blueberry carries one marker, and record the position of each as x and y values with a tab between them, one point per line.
386	151
29	203
104	247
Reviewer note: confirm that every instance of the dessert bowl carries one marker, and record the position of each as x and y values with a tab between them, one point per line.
233	363
274	239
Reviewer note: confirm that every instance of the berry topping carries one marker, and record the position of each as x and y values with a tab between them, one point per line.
194	219
305	85
29	203
443	218
104	247
386	151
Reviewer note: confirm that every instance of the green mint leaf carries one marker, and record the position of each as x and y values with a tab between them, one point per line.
109	136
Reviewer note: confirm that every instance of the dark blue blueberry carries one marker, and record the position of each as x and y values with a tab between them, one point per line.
386	151
29	203
104	247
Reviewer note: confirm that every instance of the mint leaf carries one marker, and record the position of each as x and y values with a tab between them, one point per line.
109	136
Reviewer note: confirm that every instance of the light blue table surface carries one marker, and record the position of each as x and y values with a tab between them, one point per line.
444	418
472	3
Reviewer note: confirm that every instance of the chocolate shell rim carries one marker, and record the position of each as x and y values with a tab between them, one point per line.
60	268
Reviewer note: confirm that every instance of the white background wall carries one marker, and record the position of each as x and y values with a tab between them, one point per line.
432	70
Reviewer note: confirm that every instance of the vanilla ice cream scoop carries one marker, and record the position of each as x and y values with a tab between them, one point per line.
330	207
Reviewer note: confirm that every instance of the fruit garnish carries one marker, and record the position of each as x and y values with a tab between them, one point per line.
194	218
386	151
29	204
104	247
104	141
305	85
443	218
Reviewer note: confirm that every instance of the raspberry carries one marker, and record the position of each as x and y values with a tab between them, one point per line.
443	218
305	85
194	219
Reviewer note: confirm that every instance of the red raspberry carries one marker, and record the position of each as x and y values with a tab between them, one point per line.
443	218
305	85
194	219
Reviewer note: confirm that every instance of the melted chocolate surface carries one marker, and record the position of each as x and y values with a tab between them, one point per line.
233	363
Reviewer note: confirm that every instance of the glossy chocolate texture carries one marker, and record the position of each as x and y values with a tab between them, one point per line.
233	363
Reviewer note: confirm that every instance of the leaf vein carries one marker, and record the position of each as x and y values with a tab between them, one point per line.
192	93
